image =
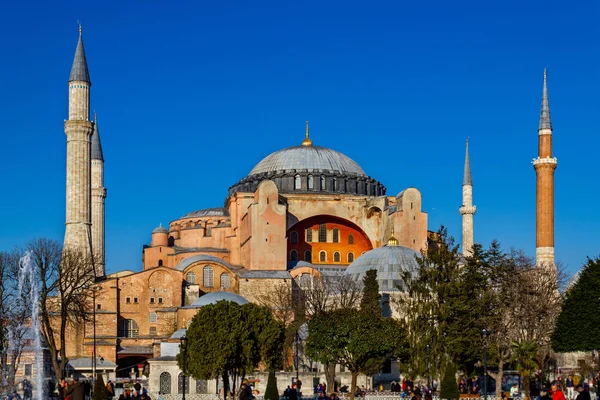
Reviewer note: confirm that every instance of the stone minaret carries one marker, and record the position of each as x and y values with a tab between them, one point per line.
98	196
467	210
544	166
78	129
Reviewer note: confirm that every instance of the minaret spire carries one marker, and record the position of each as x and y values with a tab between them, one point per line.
467	180
544	165
79	70
545	120
467	210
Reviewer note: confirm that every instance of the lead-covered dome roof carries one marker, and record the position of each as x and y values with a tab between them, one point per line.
309	168
309	158
390	262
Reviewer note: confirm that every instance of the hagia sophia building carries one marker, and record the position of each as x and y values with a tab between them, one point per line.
304	210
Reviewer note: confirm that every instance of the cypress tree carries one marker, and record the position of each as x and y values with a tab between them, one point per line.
369	302
449	390
271	392
100	391
577	324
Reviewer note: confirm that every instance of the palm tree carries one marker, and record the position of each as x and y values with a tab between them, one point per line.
524	356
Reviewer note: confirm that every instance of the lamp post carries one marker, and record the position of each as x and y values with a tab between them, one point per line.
183	341
484	335
428	347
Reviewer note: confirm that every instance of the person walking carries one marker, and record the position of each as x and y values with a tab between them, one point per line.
557	393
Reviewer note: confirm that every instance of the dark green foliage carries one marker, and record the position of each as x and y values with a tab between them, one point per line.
360	342
228	339
369	303
578	324
100	391
449	389
449	305
271	390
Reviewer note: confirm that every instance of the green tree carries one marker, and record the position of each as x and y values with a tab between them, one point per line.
100	391
369	303
524	357
449	389
228	340
576	327
271	392
359	342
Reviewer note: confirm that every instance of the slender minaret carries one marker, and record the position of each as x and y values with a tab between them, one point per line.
78	129
98	196
467	210
544	166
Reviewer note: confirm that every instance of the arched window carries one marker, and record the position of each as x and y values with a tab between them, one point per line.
336	256
201	386
294	237
160	263
190	278
322	233
297	182
293	255
207	276
309	235
322	256
308	256
165	383
323	182
152	316
310	182
350	239
129	328
180	379
336	235
335	186
350	257
225	280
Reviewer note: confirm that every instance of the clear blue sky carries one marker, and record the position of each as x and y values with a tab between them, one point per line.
190	96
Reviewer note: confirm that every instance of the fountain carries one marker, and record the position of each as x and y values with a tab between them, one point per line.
28	282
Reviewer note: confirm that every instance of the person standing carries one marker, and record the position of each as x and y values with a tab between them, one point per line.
570	387
76	390
582	393
557	393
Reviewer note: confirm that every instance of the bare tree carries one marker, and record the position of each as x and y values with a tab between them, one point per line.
66	276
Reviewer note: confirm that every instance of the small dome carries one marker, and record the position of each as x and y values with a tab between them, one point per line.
160	229
214	297
311	158
389	261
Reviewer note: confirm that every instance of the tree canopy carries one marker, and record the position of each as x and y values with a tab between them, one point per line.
577	324
227	339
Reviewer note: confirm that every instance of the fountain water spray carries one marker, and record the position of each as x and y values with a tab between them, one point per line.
28	281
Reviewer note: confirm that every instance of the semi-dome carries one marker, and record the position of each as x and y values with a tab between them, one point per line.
309	158
214	297
390	262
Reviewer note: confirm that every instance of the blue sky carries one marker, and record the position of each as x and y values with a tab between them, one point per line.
190	96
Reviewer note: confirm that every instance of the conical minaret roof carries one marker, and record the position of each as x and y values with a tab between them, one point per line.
467	180
79	70
545	121
96	145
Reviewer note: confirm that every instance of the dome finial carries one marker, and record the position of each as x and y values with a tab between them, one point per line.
392	241
307	141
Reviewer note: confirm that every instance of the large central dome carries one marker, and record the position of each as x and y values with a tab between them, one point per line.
310	169
308	158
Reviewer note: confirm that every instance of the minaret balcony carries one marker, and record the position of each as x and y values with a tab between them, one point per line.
544	160
466	210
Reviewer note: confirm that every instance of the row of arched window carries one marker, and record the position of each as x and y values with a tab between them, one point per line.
208	279
165	384
322	235
337	256
310	183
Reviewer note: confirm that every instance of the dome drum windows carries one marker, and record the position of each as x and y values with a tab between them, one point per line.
310	182
297	182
